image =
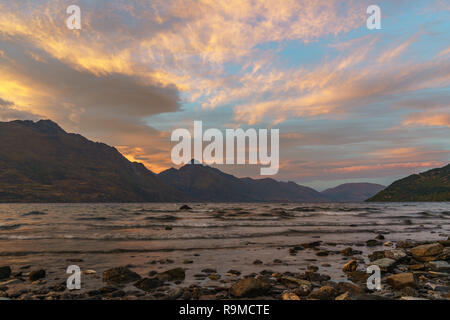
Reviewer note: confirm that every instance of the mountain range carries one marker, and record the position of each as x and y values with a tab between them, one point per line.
432	185
207	184
40	162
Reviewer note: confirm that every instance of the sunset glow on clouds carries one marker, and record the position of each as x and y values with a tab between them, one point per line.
351	104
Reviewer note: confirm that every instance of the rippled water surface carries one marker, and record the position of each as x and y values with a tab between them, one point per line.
222	236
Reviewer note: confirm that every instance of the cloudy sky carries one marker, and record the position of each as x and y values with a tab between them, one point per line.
351	104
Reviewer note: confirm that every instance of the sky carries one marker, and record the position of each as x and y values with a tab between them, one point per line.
351	104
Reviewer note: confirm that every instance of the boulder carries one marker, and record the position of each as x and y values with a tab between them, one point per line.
427	252
350	266
120	275
402	280
5	272
249	287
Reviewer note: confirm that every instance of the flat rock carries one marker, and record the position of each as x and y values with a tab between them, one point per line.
427	252
385	264
249	288
402	280
440	266
395	254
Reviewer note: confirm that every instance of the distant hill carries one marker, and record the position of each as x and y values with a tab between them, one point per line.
204	183
433	185
40	162
353	192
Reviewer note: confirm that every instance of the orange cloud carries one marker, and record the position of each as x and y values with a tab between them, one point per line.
426	119
428	164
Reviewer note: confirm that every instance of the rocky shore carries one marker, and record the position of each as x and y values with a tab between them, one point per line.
409	271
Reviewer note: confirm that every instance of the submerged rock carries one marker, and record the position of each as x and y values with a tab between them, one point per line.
177	274
373	243
5	272
322	253
185	207
36	275
348	252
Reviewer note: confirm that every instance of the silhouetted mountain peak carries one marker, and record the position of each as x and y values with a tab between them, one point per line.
42	163
42	126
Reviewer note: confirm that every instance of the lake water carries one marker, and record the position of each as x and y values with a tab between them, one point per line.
219	236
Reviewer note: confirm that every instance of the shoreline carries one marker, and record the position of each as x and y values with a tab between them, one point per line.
410	270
